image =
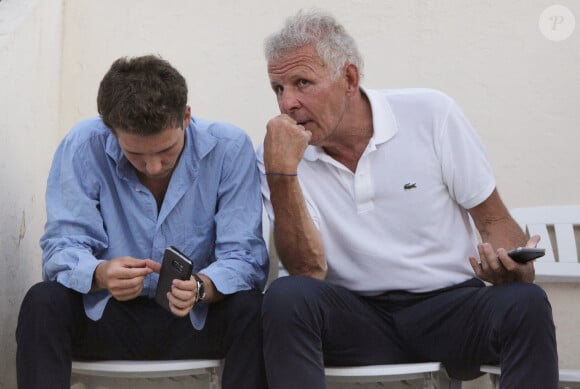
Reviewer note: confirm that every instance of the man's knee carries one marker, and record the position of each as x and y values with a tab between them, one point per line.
245	306
249	300
44	304
48	296
531	299
292	295
528	308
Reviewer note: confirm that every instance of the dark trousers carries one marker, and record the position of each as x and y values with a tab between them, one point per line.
53	329
310	323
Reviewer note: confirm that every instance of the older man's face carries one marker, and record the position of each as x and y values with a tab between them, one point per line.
307	92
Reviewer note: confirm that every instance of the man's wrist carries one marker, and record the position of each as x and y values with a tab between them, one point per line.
97	283
201	289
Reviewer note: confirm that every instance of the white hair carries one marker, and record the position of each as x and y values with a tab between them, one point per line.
335	47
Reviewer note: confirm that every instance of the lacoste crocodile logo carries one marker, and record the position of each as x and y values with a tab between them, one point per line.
409	186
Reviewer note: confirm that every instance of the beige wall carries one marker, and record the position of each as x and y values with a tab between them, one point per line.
30	57
518	88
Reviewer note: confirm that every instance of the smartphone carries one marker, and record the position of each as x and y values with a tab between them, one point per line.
525	254
175	265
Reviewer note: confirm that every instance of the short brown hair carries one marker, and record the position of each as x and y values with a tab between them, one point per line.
142	95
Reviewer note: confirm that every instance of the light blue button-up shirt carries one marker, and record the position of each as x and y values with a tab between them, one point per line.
97	209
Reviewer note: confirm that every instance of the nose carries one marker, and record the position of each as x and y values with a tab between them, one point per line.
288	101
153	166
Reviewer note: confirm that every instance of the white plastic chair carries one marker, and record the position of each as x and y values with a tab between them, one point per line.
559	229
568	378
432	375
150	369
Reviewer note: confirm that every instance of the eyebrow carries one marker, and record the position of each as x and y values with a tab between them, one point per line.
157	152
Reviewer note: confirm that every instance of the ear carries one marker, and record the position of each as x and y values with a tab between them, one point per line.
187	116
352	78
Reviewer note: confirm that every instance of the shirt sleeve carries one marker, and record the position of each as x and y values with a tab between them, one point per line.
241	255
465	166
74	232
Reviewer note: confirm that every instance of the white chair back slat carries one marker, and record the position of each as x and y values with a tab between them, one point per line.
566	243
545	241
569	214
558	272
561	262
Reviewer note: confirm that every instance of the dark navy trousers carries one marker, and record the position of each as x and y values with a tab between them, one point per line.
53	328
310	323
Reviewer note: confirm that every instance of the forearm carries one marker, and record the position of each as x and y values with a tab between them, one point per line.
297	239
495	224
499	232
503	233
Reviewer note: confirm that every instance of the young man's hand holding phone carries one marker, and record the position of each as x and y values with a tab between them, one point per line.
176	265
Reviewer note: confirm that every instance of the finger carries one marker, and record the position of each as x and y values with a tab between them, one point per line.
287	118
184	290
483	258
132	273
189	284
126	285
124	282
476	267
180	305
506	261
183	295
124	294
131	262
154	266
179	312
490	259
279	121
533	242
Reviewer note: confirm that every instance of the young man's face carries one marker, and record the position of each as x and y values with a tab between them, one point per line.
154	156
306	91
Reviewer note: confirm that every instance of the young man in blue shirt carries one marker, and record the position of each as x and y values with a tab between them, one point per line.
143	176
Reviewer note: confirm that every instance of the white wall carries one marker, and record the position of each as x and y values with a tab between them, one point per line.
30	50
518	88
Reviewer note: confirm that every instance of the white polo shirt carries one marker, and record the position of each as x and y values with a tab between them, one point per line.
400	221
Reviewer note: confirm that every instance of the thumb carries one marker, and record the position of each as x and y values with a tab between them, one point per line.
533	242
